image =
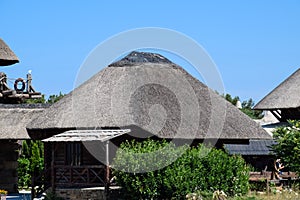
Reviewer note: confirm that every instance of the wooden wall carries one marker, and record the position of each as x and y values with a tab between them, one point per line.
8	165
291	113
86	157
79	175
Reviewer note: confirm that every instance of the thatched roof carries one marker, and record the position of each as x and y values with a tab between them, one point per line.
285	95
14	119
7	56
147	92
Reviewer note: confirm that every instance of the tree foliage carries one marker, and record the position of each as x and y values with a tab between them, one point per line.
36	101
51	99
55	98
246	106
288	145
30	162
190	172
232	100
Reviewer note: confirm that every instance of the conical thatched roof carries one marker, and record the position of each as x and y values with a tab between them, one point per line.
285	95
14	119
7	56
145	91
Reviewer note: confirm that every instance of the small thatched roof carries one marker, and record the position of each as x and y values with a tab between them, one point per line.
147	92
254	148
14	119
7	56
284	96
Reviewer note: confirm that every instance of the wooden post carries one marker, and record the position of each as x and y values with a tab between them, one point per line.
29	87
29	78
52	167
268	186
71	175
107	171
276	114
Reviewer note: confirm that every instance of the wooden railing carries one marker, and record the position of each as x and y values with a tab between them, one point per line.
264	175
72	176
68	176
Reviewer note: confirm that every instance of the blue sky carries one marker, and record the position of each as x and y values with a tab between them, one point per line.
255	44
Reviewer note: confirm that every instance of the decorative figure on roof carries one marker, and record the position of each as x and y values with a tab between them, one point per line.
23	88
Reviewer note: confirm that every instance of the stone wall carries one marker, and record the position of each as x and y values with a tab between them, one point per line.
97	193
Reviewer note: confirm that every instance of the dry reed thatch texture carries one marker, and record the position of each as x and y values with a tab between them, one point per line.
14	119
284	96
116	97
7	56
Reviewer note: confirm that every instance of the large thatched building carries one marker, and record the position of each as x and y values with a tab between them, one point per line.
7	56
14	119
283	101
143	92
10	131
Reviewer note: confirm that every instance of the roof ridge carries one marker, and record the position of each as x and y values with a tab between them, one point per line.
136	57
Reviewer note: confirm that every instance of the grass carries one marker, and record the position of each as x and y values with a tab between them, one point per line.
283	195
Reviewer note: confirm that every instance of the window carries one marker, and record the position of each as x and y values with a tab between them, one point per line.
73	154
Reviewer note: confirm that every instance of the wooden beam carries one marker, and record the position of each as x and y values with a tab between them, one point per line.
276	114
107	171
52	167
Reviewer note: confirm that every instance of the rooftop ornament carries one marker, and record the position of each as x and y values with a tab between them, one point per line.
23	88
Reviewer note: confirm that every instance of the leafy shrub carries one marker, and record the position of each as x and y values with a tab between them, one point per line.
260	185
288	145
135	157
191	172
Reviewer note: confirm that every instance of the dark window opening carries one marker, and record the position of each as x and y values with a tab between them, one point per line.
73	154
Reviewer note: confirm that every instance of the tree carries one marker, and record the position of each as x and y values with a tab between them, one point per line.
288	145
35	101
247	109
30	162
246	106
233	101
55	98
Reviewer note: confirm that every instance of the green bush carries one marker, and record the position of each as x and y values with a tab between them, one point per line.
135	157
287	145
191	172
258	185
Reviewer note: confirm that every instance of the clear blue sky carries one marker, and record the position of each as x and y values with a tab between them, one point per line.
255	44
